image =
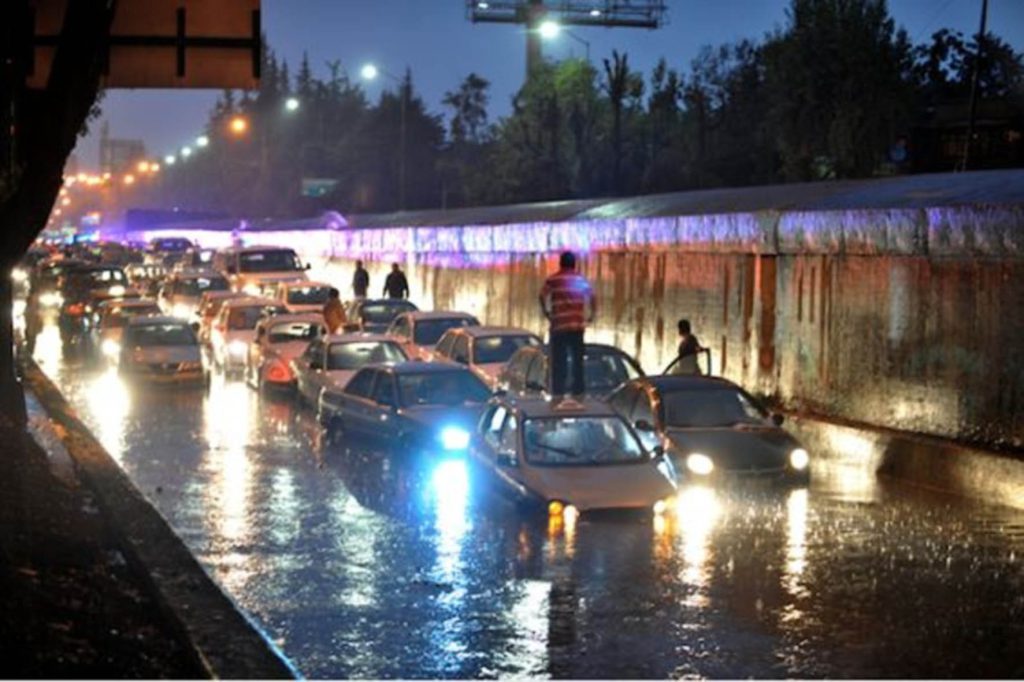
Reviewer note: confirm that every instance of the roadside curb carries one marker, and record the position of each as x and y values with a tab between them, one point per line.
225	642
920	460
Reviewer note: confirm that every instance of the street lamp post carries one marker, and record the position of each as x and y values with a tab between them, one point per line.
370	72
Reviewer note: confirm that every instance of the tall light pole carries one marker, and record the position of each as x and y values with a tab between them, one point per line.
370	72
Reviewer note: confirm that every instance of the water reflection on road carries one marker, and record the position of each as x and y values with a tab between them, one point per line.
363	564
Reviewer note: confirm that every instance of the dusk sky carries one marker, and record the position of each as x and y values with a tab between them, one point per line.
434	38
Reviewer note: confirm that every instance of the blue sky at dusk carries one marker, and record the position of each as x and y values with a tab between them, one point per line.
434	38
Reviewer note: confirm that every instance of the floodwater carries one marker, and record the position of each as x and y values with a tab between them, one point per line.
363	564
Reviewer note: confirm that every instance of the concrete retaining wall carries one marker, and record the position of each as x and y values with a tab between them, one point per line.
907	319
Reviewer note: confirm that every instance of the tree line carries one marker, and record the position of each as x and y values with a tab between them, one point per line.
825	96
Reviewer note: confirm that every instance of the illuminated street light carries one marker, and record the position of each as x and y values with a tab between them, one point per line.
143	166
169	159
186	152
202	141
369	72
239	125
291	104
129	179
549	29
154	167
65	201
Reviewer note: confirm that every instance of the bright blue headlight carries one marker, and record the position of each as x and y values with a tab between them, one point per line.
454	438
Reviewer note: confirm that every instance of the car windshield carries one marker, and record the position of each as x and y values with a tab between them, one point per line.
196	286
709	407
100	278
604	371
353	355
269	261
245	317
455	387
293	331
171	244
117	318
163	335
308	295
385	311
494	349
576	441
428	332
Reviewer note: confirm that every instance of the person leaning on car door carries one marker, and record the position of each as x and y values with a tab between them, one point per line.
334	312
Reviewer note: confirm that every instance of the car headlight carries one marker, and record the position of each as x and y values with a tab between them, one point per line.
251	289
110	348
18	275
116	290
700	464
181	311
51	299
237	347
454	438
799	459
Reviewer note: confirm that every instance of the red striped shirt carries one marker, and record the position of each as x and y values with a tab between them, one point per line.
565	295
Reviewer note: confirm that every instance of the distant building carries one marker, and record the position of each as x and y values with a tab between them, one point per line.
119	156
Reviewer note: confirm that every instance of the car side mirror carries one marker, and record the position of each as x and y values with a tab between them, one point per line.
506	459
778	419
644	425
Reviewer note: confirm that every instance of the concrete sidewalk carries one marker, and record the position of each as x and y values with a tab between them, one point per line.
73	605
100	585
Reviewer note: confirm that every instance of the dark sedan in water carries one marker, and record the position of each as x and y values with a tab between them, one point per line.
710	427
411	406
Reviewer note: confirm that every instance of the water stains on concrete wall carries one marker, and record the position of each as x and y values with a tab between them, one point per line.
909	319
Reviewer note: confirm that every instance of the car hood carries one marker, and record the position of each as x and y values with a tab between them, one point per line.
439	416
625	486
739	448
166	354
278	276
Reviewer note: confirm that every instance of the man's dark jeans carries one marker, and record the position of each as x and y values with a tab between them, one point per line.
566	350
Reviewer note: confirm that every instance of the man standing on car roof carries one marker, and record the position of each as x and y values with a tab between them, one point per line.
396	285
360	280
569	304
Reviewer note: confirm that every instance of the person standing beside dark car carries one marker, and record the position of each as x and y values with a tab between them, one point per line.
396	285
360	280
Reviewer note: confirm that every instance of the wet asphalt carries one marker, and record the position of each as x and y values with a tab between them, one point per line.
369	564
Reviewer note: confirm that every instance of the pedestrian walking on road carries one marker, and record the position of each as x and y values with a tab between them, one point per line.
334	312
396	285
569	304
689	349
360	280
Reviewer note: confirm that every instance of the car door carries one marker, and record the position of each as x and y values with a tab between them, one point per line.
357	406
507	460
303	366
318	378
382	414
401	330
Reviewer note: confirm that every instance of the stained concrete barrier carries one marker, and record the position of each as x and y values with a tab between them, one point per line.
919	460
221	637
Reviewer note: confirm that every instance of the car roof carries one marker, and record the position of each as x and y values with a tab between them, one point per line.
493	331
204	273
298	281
356	336
285	318
216	295
378	301
420	367
438	314
603	347
538	407
249	301
127	303
255	249
668	382
146	320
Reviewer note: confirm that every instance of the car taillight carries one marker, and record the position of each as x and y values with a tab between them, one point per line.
76	309
279	372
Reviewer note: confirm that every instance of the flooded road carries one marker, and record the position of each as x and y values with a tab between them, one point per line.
365	565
